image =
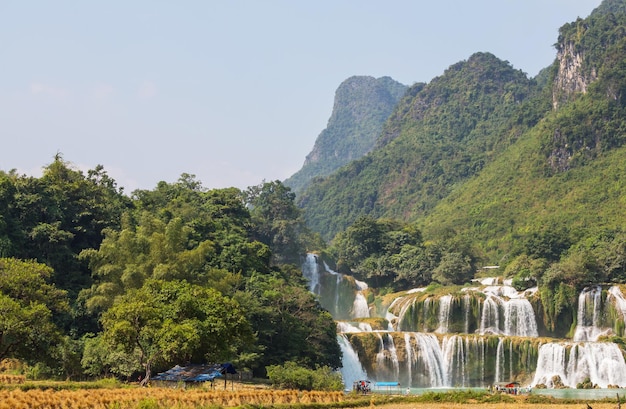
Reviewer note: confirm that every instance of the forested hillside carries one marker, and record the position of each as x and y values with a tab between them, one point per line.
439	136
362	105
492	155
483	166
94	283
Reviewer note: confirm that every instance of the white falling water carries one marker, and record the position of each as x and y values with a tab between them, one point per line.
390	317
615	294
431	355
589	315
454	354
410	360
311	273
519	318
386	355
620	301
444	314
454	360
601	362
343	327
490	317
352	370
360	309
499	361
504	303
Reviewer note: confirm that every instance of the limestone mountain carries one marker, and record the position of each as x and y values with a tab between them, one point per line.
362	105
439	135
566	174
487	154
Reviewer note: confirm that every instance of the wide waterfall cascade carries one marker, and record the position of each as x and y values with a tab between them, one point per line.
503	311
601	362
507	311
473	338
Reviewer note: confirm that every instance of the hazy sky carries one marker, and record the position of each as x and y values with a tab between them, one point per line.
232	91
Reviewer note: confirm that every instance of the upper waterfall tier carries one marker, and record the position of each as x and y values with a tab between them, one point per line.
493	309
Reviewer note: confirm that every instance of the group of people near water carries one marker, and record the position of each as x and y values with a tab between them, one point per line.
511	388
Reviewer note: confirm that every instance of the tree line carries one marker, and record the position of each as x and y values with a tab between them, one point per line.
94	282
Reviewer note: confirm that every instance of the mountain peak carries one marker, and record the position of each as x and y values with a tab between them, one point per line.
362	104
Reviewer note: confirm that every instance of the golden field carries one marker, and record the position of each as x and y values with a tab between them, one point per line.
131	398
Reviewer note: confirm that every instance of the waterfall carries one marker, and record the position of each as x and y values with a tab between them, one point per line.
310	270
343	326
499	361
519	318
457	358
588	326
601	362
410	361
390	317
386	355
490	317
360	309
505	302
352	370
619	301
444	314
431	356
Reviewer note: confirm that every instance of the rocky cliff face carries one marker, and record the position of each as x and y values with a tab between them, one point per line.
570	78
362	105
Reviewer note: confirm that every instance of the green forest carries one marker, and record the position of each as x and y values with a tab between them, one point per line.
97	283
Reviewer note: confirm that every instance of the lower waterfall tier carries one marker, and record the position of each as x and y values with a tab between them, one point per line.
425	360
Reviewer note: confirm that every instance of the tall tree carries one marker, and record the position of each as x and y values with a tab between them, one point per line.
277	221
27	304
174	321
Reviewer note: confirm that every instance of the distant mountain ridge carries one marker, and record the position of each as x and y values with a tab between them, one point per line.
362	105
490	154
439	135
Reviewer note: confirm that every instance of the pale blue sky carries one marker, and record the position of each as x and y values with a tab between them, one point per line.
234	92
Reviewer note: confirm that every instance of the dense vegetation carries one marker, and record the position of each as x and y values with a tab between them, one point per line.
362	105
93	282
496	169
439	135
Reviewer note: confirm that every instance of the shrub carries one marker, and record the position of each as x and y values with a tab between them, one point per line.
292	376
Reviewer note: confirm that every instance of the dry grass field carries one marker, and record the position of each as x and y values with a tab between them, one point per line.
132	398
54	396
